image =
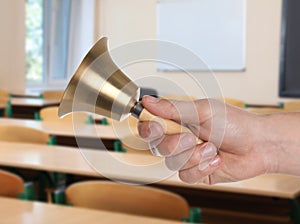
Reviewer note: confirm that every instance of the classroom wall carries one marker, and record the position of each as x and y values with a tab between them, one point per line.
130	20
12	45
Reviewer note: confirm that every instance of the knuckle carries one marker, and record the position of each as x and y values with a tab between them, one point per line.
168	145
171	165
170	148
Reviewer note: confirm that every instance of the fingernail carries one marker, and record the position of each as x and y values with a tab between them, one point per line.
151	99
208	155
143	132
155	131
187	141
215	161
208	152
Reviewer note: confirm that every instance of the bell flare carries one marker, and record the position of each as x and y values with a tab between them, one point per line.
99	86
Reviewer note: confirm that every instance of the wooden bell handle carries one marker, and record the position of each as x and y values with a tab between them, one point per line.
170	127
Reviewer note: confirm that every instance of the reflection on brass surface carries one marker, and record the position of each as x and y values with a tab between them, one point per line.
99	86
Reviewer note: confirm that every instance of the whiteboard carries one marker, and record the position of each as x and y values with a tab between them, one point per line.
214	30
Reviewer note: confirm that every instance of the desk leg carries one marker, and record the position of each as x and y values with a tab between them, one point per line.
295	213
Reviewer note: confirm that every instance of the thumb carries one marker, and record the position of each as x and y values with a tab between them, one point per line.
179	111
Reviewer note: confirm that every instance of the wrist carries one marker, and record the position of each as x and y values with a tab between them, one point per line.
266	143
282	143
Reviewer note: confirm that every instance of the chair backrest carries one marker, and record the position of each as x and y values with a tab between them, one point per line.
4	94
132	199
52	94
51	114
12	133
234	102
265	110
11	185
4	97
293	105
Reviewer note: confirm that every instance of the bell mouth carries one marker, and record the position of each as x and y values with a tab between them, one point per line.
66	104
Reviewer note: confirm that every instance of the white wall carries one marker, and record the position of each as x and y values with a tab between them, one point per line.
131	20
12	45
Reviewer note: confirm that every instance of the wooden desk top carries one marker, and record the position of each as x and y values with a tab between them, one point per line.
125	131
15	211
64	128
24	94
32	102
141	168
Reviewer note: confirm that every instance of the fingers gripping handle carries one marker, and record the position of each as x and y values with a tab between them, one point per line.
170	127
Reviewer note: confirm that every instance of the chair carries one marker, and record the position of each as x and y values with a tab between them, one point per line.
265	110
3	106
52	94
132	199
12	133
4	99
4	94
13	186
293	105
51	114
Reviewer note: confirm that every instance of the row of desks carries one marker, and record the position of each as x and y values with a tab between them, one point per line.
132	168
265	199
14	211
84	135
27	107
285	186
65	128
268	196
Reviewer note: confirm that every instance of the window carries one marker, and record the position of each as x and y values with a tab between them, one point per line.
47	33
34	41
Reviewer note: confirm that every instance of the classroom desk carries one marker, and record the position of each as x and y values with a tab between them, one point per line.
76	161
64	128
24	94
84	135
264	199
27	107
15	211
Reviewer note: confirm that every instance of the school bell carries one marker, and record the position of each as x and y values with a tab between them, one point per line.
99	86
